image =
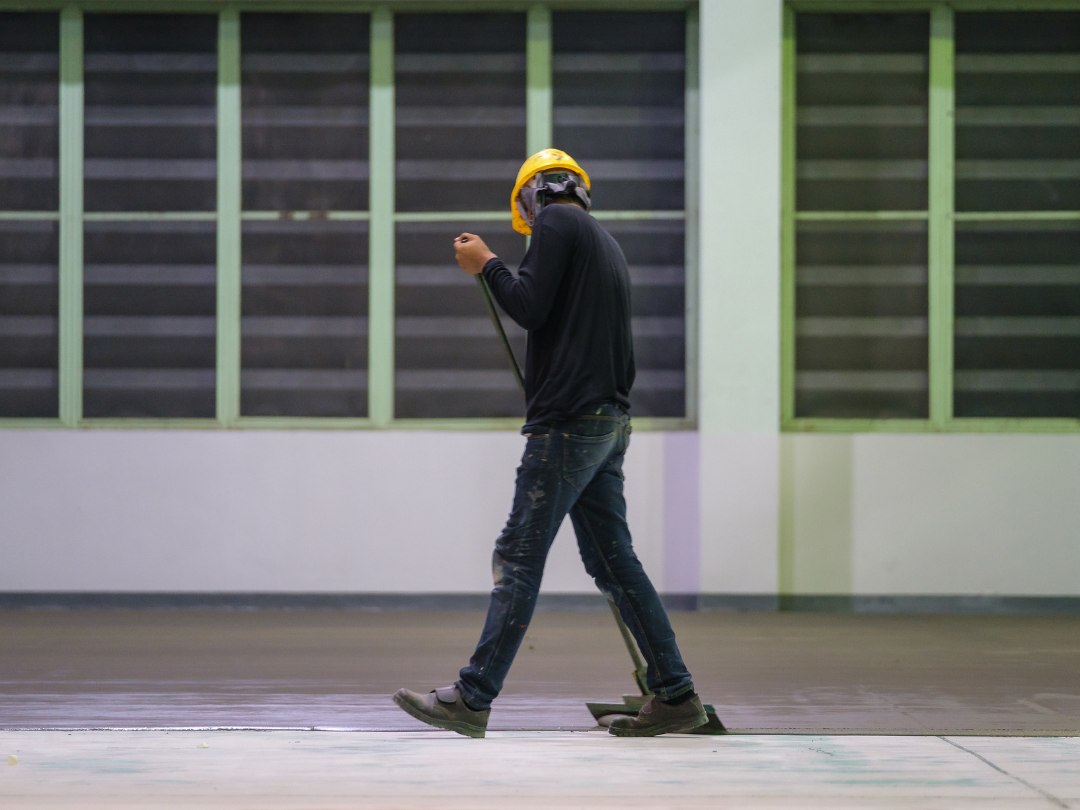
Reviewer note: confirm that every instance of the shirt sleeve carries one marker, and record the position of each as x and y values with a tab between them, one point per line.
528	298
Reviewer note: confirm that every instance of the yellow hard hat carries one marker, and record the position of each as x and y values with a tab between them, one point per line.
542	161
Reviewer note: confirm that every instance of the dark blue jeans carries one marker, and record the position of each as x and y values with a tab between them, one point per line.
573	467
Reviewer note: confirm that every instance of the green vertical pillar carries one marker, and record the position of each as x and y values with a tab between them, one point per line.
941	170
228	218
538	128
786	487
381	235
690	207
71	216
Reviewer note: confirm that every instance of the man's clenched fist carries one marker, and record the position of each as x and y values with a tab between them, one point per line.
472	253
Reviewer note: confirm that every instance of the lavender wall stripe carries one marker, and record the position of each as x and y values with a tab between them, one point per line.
682	514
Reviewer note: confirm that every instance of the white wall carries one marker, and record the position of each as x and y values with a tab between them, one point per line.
419	512
935	514
279	511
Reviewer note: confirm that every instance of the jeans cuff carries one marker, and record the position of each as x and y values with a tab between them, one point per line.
470	699
664	695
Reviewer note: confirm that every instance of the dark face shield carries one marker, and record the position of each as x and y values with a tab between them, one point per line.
536	193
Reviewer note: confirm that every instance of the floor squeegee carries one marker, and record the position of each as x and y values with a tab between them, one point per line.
631	704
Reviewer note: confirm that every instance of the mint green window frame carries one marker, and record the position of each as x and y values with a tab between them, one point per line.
939	216
381	215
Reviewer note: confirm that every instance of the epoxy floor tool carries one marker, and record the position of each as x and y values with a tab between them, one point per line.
604	713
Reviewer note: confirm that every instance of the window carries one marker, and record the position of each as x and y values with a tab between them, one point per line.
304	321
619	108
861	280
1017	274
29	189
460	135
246	218
932	220
149	280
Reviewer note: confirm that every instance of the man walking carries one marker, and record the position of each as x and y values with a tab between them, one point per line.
572	294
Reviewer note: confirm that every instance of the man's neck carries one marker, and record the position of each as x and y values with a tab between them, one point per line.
568	202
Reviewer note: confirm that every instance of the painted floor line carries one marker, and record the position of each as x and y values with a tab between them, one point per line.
1048	796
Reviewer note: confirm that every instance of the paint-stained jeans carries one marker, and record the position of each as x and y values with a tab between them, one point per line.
573	467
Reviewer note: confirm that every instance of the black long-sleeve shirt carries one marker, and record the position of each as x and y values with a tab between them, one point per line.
572	294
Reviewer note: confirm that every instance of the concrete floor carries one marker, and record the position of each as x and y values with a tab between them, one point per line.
315	770
767	673
978	700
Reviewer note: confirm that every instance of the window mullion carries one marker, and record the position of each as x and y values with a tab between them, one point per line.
71	216
690	213
228	218
381	234
787	222
941	174
538	102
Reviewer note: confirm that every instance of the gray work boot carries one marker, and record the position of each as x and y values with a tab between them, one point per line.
444	708
659	718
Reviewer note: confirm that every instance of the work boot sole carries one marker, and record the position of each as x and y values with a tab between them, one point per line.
461	727
670	727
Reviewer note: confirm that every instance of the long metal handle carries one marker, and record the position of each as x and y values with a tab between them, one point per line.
640	669
485	290
628	638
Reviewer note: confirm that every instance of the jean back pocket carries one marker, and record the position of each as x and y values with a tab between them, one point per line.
583	454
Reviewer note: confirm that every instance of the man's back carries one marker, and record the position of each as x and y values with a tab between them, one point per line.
573	295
